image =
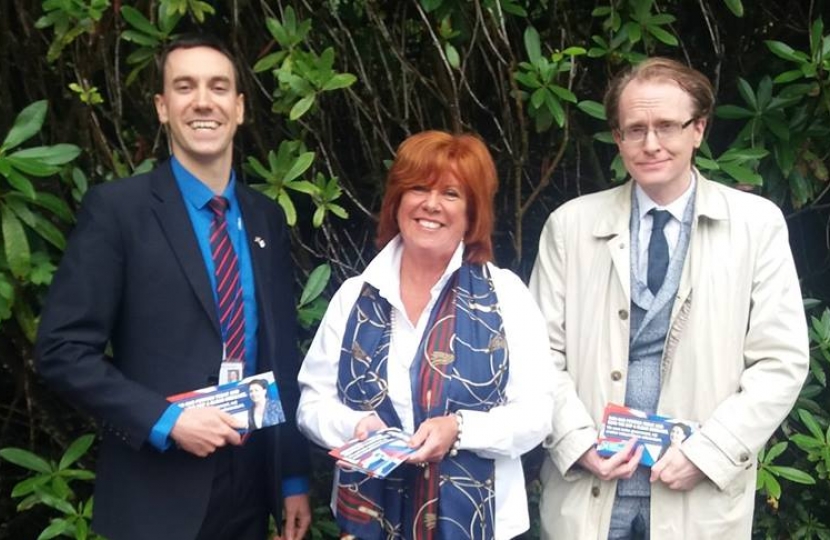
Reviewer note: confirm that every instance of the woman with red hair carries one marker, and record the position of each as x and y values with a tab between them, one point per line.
433	339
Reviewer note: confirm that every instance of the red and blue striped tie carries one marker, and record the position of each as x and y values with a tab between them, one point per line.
228	286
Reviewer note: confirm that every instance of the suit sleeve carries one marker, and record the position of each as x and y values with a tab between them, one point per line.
81	310
293	446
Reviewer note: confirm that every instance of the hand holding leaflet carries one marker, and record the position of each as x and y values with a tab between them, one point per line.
202	430
253	402
654	433
378	454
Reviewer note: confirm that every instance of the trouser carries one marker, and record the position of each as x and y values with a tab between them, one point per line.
630	518
238	506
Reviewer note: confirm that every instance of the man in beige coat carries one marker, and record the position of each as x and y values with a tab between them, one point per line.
701	321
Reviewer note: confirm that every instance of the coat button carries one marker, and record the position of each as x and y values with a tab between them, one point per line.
595	491
623	313
744	457
616	375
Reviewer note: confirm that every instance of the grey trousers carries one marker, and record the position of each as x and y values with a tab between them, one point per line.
630	519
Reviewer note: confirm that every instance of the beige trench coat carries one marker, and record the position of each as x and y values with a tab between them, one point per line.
735	357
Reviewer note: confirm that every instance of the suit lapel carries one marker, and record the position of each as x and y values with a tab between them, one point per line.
168	206
664	295
260	246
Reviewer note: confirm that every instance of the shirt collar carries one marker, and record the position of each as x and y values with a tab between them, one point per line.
676	208
384	271
195	192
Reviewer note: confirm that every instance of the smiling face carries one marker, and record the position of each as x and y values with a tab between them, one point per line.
433	218
662	168
677	435
256	393
201	107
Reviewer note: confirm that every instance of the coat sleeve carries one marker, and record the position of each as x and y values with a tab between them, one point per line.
573	429
775	358
79	314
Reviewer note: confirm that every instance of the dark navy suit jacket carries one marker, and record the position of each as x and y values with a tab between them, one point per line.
133	276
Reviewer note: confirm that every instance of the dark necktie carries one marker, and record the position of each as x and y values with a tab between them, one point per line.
658	250
228	286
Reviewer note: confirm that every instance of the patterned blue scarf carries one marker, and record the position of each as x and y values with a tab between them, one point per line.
461	364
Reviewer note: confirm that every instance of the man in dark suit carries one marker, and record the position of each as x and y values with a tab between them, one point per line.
139	274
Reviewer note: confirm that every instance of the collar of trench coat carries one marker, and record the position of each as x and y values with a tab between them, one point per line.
709	205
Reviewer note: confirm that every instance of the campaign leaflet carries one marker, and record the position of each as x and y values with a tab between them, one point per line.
254	401
377	455
654	433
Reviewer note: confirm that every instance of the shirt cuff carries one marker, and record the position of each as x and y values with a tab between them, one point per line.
160	434
294	485
477	432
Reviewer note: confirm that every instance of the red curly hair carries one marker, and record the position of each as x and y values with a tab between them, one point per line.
421	160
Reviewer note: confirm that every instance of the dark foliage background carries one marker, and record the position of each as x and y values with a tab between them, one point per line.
524	74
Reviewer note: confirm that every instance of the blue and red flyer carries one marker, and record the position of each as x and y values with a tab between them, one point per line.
654	433
377	455
254	401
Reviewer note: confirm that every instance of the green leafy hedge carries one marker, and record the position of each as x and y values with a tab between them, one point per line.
332	86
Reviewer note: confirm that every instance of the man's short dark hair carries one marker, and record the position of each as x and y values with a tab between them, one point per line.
191	41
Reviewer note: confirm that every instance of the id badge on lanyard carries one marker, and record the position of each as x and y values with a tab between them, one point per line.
231	369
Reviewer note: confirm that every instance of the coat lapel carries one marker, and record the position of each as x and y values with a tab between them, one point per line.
613	227
168	206
710	206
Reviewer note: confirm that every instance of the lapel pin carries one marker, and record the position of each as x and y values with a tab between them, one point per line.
259	241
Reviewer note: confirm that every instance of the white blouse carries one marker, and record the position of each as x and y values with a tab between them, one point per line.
503	433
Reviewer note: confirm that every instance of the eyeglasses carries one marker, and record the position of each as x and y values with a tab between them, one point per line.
664	131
